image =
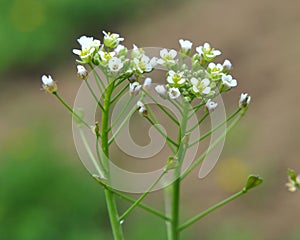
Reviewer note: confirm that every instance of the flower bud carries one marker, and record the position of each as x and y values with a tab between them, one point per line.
147	83
82	72
210	105
186	46
162	91
48	84
227	66
142	109
244	100
134	88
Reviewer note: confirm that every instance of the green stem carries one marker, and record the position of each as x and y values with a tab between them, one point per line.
79	119
173	194
216	128
93	94
110	198
131	200
121	125
212	146
162	133
124	109
162	109
120	93
196	108
154	123
176	105
89	151
98	79
98	153
141	198
199	122
211	209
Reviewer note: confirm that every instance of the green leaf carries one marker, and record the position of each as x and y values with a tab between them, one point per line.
252	182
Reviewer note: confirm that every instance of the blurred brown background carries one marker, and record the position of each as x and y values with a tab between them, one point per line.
44	190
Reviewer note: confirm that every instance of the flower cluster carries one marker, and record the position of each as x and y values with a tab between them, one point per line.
203	80
294	181
112	57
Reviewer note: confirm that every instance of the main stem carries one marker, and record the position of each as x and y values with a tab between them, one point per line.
173	192
109	195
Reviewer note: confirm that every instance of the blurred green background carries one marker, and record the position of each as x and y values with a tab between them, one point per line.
45	192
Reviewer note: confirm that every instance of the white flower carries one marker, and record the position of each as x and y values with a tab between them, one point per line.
141	108
245	100
214	68
85	54
120	49
173	93
210	105
215	71
228	81
153	62
144	64
111	40
176	78
200	87
48	84
161	90
186	45
88	42
294	181
82	72
115	64
227	65
89	45
106	56
147	83
134	88
137	52
167	56
291	186
207	52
